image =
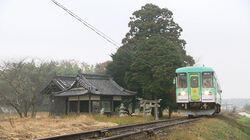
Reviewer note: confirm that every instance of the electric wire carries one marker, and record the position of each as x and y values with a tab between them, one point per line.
107	38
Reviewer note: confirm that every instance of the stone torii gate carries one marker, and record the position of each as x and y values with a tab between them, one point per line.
148	104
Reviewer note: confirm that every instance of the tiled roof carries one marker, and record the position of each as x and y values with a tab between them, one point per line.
76	92
64	82
106	86
89	83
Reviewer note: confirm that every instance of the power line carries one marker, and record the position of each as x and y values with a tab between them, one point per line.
107	38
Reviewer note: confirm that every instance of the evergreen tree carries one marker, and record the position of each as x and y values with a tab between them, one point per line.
145	23
153	69
151	51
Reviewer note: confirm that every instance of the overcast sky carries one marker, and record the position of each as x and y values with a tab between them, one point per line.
217	33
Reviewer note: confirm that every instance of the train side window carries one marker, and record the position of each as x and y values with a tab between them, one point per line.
207	79
181	80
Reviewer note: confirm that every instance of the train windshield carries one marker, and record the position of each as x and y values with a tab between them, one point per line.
182	80
207	79
194	81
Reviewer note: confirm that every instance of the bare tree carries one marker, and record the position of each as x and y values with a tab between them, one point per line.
12	77
21	81
21	84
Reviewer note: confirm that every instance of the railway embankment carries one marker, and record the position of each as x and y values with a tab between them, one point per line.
221	127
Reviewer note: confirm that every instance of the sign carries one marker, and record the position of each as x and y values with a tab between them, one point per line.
84	97
117	98
95	97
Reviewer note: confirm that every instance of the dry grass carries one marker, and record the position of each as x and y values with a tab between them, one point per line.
12	127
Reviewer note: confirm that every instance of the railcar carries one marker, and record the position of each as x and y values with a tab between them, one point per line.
197	91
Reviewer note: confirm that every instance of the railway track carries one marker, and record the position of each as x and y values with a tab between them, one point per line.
131	131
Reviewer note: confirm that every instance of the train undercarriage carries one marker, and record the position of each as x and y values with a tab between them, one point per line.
198	108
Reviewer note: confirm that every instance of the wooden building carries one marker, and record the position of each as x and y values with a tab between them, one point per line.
85	93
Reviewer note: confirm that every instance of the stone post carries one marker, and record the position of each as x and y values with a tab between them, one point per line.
156	110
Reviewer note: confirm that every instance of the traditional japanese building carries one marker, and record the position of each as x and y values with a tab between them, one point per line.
85	93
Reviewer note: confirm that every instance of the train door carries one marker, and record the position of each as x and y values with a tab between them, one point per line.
194	87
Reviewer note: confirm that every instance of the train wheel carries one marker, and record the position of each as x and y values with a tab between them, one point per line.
190	116
218	108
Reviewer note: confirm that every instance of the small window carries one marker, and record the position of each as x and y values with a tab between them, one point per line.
182	80
194	80
207	79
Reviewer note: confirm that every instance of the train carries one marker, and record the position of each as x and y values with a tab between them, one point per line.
198	91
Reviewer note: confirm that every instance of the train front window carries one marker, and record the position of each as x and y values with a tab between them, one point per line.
207	79
194	81
182	80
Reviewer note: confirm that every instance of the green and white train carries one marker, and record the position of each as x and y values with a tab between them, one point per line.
197	91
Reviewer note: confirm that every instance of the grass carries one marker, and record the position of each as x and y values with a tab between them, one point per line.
13	127
121	120
128	119
226	126
244	120
241	119
207	129
241	122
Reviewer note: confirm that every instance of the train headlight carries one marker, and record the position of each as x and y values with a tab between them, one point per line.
182	93
207	92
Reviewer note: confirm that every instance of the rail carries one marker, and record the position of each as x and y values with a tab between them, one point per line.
121	132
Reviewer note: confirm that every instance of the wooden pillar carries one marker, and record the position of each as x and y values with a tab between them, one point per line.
78	105
89	104
100	104
68	106
112	106
52	106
